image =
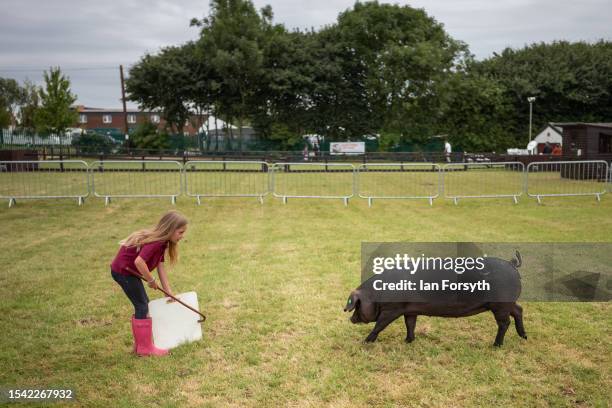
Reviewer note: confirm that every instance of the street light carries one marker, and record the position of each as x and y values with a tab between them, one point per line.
127	142
531	100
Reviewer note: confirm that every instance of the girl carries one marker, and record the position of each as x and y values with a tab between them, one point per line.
143	251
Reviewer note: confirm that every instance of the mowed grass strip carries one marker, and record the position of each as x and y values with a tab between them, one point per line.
273	280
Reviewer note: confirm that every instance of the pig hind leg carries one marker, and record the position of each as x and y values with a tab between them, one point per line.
410	321
517	314
502	317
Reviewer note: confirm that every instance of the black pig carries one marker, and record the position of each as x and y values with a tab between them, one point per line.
367	307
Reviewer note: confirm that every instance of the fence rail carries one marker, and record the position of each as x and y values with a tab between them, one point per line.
313	180
43	179
567	178
483	180
209	178
168	178
398	181
136	179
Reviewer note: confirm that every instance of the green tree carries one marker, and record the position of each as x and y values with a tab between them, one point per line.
11	96
5	117
203	88
399	57
231	37
340	107
284	109
147	136
30	105
93	142
56	112
161	82
473	111
571	81
381	67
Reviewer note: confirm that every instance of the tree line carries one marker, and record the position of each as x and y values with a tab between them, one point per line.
379	69
48	109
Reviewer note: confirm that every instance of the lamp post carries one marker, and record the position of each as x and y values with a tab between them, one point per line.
531	100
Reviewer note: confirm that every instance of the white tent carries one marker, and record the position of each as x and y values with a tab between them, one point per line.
211	125
532	147
550	134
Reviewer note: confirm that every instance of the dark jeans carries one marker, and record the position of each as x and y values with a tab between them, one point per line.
135	291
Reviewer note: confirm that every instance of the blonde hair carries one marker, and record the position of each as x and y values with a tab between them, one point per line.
169	222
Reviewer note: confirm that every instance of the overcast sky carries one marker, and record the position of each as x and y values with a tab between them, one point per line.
89	39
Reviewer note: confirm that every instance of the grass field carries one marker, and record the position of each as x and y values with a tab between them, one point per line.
273	280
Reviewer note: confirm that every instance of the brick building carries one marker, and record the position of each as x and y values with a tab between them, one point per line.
112	120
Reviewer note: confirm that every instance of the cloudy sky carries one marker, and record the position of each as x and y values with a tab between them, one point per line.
89	39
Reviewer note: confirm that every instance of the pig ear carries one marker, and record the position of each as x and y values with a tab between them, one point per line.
351	302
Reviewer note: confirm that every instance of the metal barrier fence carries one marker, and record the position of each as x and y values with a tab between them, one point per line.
567	178
208	178
483	180
398	181
167	178
136	178
46	179
313	180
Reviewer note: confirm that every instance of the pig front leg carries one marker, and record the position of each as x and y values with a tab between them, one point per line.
410	321
384	319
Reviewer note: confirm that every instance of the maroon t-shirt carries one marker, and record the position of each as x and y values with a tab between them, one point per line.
152	253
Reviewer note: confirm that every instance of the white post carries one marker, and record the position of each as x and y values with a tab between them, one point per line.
531	99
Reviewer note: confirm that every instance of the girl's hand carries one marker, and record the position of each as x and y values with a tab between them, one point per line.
153	284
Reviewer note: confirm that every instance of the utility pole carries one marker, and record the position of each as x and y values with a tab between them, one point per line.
531	100
125	121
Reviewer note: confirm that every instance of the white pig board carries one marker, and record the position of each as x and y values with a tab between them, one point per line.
173	323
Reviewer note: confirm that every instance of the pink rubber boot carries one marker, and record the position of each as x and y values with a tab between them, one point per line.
134	335
143	335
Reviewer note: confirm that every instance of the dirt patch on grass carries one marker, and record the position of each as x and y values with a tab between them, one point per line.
91	321
229	304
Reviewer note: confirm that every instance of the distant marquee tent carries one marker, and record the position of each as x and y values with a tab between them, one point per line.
551	134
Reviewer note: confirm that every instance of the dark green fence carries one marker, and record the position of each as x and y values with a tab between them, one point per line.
112	143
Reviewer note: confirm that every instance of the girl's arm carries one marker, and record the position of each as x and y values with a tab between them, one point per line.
163	277
142	267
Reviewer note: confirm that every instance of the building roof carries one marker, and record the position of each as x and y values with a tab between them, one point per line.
565	124
87	109
555	127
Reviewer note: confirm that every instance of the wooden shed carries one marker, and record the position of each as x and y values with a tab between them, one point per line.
18	155
586	141
590	141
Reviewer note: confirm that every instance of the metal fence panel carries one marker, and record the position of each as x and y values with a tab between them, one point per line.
136	179
210	178
43	179
566	178
313	180
398	181
483	180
